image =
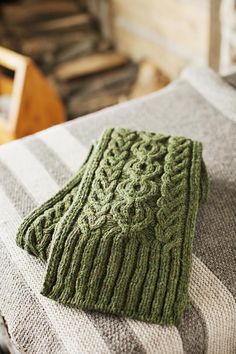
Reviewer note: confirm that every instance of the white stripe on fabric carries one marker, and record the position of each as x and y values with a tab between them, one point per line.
157	339
24	166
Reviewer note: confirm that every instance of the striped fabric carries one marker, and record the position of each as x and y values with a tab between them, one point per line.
32	169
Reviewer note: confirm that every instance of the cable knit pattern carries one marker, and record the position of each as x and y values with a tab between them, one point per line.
123	244
36	231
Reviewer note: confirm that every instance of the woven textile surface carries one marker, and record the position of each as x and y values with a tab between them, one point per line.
124	245
199	105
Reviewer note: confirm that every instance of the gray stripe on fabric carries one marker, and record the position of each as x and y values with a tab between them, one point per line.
86	132
19	296
52	162
22	200
214	241
116	332
193	331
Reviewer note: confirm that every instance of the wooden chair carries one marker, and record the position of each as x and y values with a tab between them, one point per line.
34	104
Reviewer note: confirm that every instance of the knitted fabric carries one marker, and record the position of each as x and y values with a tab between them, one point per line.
123	244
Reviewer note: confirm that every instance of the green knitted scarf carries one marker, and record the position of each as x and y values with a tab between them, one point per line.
118	237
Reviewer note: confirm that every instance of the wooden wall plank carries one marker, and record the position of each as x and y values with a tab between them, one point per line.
177	31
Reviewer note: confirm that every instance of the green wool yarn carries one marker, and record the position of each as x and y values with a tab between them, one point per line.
124	240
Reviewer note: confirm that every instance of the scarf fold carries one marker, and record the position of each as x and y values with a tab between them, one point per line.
118	237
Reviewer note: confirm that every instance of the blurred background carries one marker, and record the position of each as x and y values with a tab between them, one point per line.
63	59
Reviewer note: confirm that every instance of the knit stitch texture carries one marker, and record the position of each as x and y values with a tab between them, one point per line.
118	237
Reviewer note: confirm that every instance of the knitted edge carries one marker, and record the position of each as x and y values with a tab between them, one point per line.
182	298
22	233
204	183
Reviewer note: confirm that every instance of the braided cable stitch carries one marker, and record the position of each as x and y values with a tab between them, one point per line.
124	244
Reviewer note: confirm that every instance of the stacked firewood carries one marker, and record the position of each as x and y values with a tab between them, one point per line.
72	44
67	43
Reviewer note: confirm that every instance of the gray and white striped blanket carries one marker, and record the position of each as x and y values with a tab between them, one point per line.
198	105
